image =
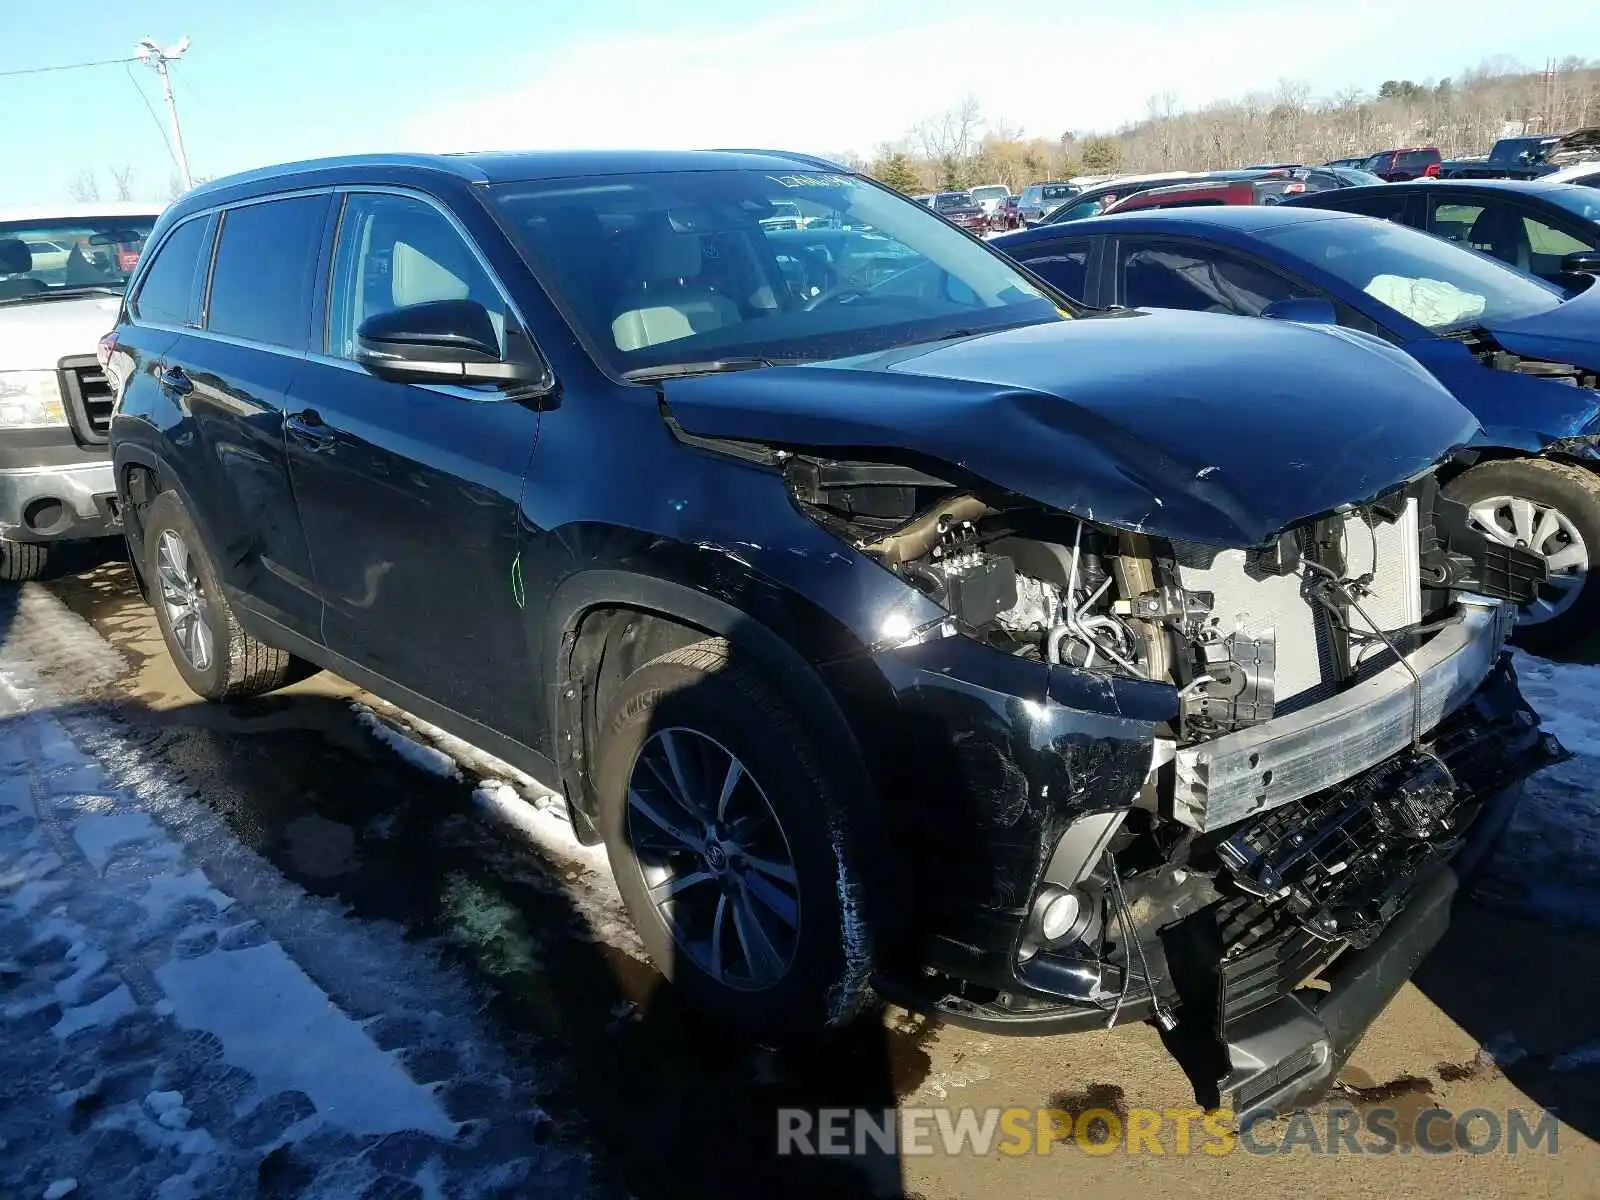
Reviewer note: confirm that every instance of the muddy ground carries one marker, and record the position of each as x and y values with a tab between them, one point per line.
671	1108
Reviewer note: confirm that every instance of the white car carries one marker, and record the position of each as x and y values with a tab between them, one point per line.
1585	173
989	196
62	273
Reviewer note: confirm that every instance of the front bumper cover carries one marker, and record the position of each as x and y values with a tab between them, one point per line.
58	503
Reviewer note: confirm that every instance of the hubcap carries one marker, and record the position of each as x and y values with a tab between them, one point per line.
184	600
714	859
1516	521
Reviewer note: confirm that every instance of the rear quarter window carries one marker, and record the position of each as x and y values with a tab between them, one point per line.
166	297
261	283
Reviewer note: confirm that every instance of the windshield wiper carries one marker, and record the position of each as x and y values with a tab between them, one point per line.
62	294
715	366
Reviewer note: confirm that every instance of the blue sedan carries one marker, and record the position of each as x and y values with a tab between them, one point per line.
1522	353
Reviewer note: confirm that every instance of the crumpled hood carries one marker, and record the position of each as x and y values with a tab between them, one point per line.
36	336
1569	332
1193	426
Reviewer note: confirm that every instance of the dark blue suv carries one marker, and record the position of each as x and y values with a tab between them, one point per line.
893	621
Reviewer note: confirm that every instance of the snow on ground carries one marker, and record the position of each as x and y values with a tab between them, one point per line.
178	1020
525	810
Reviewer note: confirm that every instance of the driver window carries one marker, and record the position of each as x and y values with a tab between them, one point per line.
396	251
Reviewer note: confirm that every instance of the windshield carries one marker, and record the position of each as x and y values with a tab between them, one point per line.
1355	177
1582	202
997	191
678	267
948	200
1436	283
42	259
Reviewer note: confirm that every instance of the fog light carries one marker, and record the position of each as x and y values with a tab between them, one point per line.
1061	915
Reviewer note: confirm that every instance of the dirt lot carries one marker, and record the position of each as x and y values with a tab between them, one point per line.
671	1109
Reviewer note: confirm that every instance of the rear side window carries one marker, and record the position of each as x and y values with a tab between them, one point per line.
1065	264
1388	206
261	283
167	293
1417	160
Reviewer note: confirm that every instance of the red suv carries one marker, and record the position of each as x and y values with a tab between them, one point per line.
1418	162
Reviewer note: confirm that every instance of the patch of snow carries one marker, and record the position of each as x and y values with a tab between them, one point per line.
545	824
118	1002
60	1188
257	1002
1586	1055
102	835
160	1102
1503	1050
1567	699
429	759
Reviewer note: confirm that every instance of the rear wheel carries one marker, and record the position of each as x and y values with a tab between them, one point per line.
725	826
1553	509
213	653
21	561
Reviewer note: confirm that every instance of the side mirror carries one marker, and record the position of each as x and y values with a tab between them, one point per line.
1581	262
1307	310
442	341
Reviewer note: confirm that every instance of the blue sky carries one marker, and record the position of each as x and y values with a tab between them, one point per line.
272	80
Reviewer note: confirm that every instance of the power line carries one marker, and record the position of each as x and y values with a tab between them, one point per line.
150	108
104	62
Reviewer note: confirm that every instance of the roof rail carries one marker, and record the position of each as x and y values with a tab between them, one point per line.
809	159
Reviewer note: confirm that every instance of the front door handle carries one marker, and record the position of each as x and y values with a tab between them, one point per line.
177	381
308	427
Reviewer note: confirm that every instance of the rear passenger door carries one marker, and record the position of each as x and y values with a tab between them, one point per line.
409	492
227	373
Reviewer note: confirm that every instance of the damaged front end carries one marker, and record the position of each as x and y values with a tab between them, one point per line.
1155	778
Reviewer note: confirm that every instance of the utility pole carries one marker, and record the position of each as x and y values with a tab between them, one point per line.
155	57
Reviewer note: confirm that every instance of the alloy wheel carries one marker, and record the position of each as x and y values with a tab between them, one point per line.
1546	530
714	858
184	599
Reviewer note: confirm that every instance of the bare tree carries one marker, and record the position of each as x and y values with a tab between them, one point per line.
122	180
84	187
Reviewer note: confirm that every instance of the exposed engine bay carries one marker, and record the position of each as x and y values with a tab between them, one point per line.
1244	635
1291	849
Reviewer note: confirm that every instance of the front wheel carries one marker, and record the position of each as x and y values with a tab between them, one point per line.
1553	509
726	826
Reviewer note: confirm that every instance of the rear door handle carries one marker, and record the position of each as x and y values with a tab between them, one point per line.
177	381
308	427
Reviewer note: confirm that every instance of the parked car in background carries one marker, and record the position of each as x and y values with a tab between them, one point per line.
1349	163
1510	158
1532	225
1522	354
1210	192
962	209
1008	215
1094	201
1417	162
850	622
62	271
925	199
989	197
1039	200
1583	174
1353	176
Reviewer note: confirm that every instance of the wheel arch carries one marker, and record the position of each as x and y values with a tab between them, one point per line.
602	623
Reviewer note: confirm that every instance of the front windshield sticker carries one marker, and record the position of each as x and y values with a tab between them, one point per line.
796	181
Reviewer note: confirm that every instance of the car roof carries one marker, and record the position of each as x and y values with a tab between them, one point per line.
84	211
516	166
1523	186
1239	218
